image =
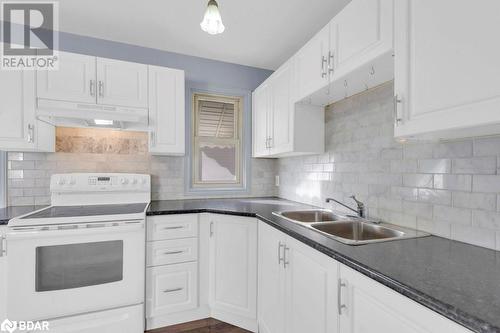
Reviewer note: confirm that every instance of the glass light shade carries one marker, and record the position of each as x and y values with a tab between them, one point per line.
212	21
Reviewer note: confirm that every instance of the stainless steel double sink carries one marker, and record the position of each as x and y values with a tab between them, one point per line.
349	229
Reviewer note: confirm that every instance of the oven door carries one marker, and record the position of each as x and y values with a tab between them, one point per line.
58	271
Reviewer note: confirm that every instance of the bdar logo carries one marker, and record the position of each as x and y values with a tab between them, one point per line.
8	326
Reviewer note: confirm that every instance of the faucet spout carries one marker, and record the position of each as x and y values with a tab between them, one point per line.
360	210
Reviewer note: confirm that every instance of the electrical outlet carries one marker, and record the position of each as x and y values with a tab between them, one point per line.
277	180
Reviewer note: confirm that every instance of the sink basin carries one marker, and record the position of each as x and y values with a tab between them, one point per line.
348	229
311	216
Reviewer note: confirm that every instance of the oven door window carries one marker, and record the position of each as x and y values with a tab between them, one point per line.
70	266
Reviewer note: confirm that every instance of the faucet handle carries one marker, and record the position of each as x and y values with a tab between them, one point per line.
353	197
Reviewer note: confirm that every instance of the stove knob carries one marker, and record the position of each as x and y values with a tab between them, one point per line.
124	181
72	181
61	181
134	181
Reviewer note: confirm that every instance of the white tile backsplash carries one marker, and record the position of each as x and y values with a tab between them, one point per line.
451	189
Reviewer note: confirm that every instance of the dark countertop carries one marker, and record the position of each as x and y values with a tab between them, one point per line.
458	280
13	211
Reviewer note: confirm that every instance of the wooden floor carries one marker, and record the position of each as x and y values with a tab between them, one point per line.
208	325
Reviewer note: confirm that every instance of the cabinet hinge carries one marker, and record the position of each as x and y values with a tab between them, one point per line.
398	118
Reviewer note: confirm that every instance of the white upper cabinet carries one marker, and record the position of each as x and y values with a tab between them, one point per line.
447	77
233	270
19	128
280	126
166	111
261	120
122	83
312	62
361	32
75	80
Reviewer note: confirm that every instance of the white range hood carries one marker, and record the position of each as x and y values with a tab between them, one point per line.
72	114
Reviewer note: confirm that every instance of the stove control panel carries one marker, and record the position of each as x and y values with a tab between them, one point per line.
92	182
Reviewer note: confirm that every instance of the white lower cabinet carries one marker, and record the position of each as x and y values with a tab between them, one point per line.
233	270
297	286
368	306
3	273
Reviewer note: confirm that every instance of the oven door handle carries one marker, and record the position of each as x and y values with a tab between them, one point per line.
83	229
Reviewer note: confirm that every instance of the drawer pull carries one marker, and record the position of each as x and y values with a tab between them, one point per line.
172	228
172	290
173	252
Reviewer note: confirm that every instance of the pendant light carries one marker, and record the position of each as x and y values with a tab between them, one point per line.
212	21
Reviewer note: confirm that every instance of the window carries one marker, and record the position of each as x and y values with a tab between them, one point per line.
217	146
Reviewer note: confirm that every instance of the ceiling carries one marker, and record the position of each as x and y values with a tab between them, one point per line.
259	33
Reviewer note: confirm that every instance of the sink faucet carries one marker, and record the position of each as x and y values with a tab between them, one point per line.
360	211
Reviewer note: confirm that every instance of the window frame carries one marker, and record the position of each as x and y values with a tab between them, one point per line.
236	140
246	141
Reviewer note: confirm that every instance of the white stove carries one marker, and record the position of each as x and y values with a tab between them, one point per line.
79	263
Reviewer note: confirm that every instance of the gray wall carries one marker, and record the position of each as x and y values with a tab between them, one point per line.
447	188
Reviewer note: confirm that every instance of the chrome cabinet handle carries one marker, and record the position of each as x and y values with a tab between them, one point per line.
267	143
3	250
330	62
172	290
92	88
340	306
324	61
31	133
397	118
211	229
101	88
270	142
152	138
176	227
173	252
280	258
285	262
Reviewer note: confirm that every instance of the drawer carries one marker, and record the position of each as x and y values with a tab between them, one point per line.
172	226
172	251
171	289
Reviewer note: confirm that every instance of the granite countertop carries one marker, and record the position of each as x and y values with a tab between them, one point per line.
458	280
10	212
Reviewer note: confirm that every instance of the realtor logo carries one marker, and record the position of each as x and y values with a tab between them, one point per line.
23	326
8	326
29	35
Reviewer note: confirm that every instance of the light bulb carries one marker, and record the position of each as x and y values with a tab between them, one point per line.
212	21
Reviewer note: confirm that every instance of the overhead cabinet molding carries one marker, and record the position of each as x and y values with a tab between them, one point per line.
447	78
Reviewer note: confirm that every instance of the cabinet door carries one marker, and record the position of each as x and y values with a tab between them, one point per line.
312	64
19	128
74	81
362	31
282	110
368	306
3	273
447	76
271	280
122	83
310	289
233	270
166	111
260	120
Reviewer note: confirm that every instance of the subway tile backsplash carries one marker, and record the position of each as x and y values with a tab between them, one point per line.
448	188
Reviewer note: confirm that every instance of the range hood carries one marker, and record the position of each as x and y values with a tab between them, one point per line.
72	114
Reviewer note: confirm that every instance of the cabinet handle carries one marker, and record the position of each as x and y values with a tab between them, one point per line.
172	290
285	262
323	63
280	258
330	62
340	306
152	138
101	88
173	252
31	133
270	142
92	88
211	229
397	117
2	246
267	143
176	227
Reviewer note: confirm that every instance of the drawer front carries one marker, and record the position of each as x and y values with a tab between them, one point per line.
171	289
172	226
172	251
